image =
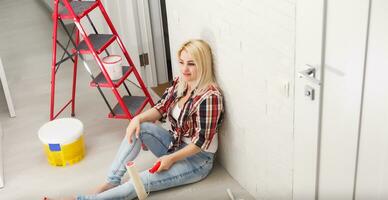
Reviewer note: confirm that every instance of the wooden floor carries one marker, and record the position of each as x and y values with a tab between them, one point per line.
25	38
159	90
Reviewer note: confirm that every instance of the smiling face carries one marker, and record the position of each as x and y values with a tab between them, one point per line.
188	67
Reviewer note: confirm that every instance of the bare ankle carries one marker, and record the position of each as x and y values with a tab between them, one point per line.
104	187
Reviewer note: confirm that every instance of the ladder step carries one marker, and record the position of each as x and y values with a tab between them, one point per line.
100	80
81	8
134	103
99	41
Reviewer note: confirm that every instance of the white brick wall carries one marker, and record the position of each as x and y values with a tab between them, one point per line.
253	45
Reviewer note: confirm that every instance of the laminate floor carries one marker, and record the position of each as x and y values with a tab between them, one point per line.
25	48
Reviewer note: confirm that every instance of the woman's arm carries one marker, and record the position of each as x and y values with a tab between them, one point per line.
150	115
168	160
153	114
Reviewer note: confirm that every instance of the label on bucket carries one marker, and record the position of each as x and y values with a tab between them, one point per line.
55	147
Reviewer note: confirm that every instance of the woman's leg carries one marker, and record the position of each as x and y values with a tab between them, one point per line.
156	138
189	170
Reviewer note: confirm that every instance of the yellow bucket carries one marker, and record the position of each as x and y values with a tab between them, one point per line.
63	141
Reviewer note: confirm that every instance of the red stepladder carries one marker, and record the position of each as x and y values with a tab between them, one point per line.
95	43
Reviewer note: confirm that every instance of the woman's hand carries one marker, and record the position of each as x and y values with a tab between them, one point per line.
133	127
166	162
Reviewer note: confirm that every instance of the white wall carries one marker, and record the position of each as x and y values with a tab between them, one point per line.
253	45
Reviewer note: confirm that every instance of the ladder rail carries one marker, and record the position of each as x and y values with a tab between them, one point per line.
62	109
69	56
106	50
126	88
98	87
75	44
54	67
96	57
93	44
95	30
92	24
54	59
86	66
74	76
62	60
124	50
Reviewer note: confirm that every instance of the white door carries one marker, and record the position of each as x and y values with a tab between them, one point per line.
351	141
372	174
309	49
344	58
131	20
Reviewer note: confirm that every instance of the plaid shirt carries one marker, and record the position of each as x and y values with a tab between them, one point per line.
199	119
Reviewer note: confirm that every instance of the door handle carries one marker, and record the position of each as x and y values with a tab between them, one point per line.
309	74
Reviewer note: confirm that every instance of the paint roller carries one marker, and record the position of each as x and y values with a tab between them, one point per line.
138	184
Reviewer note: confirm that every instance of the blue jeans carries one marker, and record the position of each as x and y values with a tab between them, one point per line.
157	139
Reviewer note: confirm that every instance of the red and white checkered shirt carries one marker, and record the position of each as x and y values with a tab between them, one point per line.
200	118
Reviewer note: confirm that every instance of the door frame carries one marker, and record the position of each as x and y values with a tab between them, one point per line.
160	39
145	40
134	13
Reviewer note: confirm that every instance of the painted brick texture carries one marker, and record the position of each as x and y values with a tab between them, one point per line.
253	43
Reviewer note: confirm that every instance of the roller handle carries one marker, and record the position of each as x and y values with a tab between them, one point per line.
154	168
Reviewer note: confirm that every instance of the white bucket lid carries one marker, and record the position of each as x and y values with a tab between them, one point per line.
112	59
61	131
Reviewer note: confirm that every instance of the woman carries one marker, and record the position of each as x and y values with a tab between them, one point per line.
194	106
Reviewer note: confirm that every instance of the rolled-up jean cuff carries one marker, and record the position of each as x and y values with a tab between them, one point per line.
114	181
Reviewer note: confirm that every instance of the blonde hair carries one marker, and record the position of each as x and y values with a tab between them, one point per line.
202	55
